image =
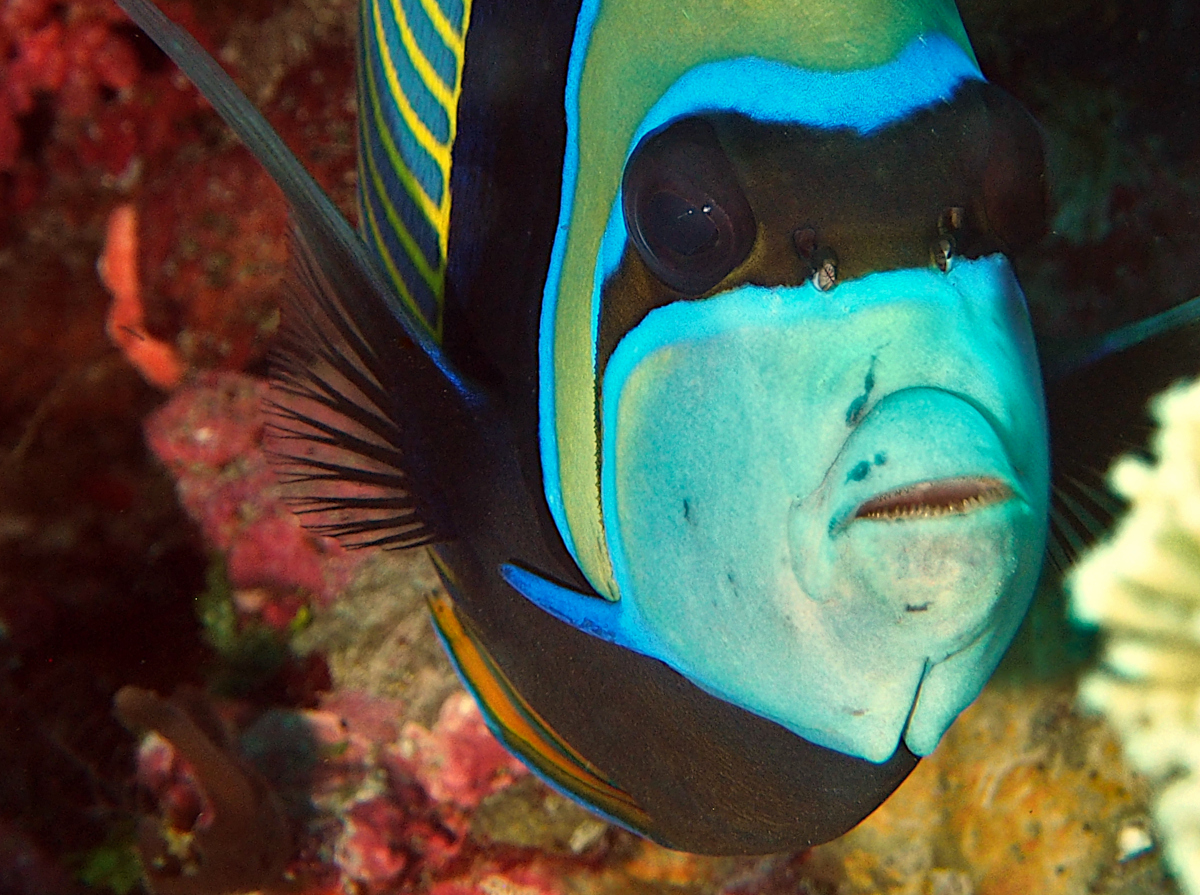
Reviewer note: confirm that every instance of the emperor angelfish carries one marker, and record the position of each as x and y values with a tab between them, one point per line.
689	340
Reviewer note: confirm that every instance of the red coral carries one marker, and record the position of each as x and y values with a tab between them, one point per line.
78	61
459	762
76	56
213	263
157	361
373	849
210	436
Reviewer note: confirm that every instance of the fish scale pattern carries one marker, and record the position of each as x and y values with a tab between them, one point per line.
410	77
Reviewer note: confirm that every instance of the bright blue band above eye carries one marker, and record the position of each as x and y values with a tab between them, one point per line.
927	71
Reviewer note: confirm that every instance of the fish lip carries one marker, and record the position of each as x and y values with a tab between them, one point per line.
933	499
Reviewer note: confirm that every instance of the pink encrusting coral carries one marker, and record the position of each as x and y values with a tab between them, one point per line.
336	800
410	792
459	762
209	435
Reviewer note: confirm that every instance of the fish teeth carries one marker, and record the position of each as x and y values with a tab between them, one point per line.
907	511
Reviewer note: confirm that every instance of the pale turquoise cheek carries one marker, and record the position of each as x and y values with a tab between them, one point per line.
739	434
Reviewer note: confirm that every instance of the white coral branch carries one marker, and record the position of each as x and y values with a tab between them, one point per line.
1142	587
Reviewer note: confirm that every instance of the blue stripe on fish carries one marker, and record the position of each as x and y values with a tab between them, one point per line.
418	159
430	43
927	71
454	12
384	239
416	90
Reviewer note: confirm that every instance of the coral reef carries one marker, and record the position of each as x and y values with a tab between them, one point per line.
1143	588
220	826
157	360
1025	794
327	679
78	99
209	435
343	799
100	569
68	59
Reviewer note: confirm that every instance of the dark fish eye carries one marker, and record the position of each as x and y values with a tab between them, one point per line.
682	226
684	209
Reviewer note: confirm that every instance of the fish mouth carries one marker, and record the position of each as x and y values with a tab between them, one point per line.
933	499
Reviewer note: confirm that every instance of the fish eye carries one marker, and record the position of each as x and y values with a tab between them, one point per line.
684	209
682	225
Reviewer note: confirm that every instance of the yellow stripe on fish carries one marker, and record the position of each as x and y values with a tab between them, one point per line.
410	80
521	728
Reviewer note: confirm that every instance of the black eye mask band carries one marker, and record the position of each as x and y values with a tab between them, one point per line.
717	201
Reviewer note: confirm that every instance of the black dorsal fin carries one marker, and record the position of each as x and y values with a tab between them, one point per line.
359	386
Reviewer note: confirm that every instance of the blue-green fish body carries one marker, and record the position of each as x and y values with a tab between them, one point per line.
689	338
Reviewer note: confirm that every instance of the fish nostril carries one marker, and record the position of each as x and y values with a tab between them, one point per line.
805	242
951	220
945	246
822	261
825	265
943	253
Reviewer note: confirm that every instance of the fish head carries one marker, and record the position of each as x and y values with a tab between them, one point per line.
831	509
823	453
